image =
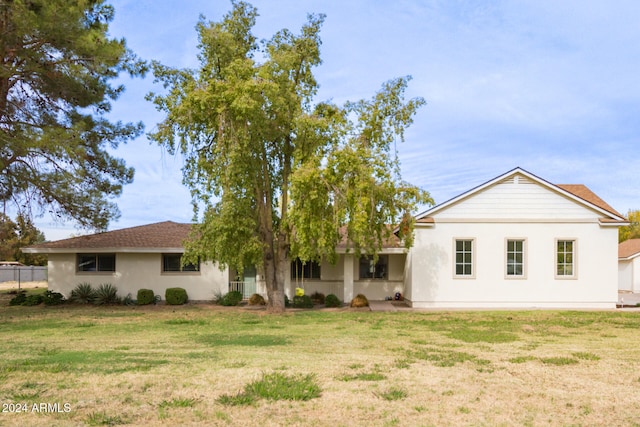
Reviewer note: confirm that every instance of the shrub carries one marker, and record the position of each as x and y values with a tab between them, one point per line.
33	300
360	301
83	293
106	294
128	300
257	299
302	302
175	296
53	298
317	297
232	298
20	297
332	301
287	303
145	296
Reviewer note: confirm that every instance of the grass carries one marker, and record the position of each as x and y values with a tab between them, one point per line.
203	364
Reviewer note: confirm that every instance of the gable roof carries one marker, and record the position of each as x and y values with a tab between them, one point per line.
629	249
577	192
159	237
581	191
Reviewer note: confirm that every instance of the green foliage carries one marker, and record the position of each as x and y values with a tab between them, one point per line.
393	394
104	419
232	298
558	361
359	301
302	301
55	96
128	300
472	335
145	297
287	303
106	294
265	158
16	235
32	300
275	386
178	403
364	376
332	300
582	355
257	299
631	231
53	298
175	296
83	293
19	299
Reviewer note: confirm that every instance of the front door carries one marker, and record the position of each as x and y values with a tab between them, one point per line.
249	288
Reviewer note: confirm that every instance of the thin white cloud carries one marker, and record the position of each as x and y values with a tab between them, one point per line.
546	85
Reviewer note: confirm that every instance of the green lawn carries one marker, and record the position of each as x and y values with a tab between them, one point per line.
203	364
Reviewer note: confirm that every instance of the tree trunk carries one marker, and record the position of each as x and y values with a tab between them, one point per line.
275	286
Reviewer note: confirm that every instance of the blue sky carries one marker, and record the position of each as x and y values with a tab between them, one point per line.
550	86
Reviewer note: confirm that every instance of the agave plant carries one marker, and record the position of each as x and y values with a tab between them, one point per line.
106	294
83	293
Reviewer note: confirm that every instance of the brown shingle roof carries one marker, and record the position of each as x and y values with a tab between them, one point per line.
629	248
581	191
160	235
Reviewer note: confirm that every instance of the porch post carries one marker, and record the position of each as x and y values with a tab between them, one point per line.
348	278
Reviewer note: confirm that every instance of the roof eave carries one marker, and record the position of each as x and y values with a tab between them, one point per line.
101	250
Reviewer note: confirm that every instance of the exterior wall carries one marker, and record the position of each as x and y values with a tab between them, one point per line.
516	198
629	275
135	271
378	289
432	266
342	279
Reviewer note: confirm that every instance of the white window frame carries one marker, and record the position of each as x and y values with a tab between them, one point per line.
574	263
473	258
525	254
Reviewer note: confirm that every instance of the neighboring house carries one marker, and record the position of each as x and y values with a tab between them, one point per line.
147	256
629	265
516	241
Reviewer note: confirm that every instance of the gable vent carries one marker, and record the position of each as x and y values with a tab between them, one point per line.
517	180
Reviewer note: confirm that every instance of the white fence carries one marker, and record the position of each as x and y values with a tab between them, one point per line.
23	274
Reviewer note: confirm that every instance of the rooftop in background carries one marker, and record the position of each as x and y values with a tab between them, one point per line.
167	235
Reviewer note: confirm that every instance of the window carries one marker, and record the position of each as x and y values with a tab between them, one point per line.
172	263
515	258
370	269
464	258
305	270
565	258
96	262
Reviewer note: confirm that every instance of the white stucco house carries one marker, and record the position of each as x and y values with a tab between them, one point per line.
516	241
629	265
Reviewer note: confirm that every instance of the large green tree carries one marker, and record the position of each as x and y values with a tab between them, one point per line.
631	231
16	235
57	65
279	175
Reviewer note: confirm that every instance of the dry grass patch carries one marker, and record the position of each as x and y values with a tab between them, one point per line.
159	365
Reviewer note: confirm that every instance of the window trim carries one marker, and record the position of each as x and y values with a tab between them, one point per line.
473	258
574	263
181	272
525	256
370	258
97	256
